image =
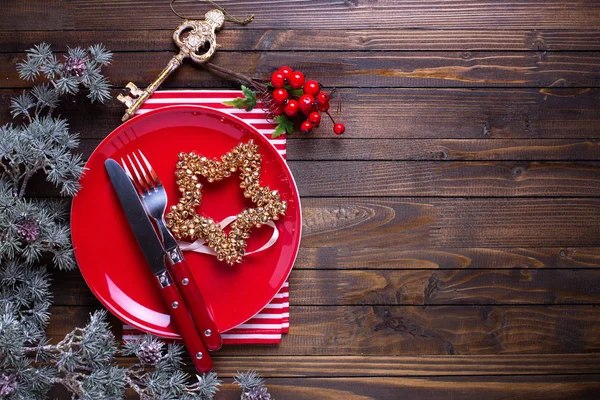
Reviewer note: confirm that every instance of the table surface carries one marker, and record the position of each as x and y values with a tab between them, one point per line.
451	237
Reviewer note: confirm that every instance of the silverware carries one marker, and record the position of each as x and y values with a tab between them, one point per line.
154	198
154	253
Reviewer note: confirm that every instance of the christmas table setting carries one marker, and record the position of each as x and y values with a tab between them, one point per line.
256	200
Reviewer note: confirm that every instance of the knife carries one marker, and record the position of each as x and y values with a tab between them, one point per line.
154	253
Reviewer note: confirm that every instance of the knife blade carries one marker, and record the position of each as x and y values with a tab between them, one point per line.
154	253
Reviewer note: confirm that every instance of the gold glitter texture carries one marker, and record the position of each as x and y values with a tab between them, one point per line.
185	223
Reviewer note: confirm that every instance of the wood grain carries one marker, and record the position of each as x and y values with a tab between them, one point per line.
475	388
559	113
359	69
415	287
303	149
414	330
331	366
389	222
422	257
233	39
473	179
319	15
409	287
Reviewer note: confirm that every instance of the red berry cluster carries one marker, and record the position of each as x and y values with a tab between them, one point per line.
310	102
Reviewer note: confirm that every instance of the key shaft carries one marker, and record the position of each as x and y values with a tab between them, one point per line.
173	64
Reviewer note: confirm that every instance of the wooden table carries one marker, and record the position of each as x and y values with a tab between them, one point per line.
451	237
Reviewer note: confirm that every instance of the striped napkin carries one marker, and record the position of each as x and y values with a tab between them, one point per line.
269	324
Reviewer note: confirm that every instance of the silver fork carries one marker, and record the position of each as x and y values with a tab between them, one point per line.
152	193
154	198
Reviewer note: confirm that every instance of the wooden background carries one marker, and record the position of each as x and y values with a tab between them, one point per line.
451	241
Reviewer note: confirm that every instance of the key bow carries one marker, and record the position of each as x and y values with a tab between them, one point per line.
200	33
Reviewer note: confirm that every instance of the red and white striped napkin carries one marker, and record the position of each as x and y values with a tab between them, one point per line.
270	323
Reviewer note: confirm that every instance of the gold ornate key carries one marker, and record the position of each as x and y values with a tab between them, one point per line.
201	33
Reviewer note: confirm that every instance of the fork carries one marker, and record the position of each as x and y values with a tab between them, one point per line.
154	198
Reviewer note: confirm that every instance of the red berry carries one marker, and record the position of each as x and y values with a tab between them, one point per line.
291	108
307	103
323	106
277	79
323	98
314	118
296	80
286	71
279	95
306	126
339	129
312	88
277	109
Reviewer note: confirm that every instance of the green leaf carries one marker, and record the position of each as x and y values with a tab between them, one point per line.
237	103
284	125
250	98
296	92
248	102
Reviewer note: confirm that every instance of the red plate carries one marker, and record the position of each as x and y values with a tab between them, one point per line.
109	257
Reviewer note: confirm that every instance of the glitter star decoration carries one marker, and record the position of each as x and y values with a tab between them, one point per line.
185	223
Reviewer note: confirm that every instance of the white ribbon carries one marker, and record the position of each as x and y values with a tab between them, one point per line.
199	245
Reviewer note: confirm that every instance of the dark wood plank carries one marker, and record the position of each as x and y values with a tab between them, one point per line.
363	69
416	287
326	14
324	148
332	366
419	257
34	15
364	39
430	178
65	318
414	330
420	113
511	222
409	287
69	289
474	388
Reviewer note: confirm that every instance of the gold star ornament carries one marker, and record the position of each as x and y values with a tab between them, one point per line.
185	223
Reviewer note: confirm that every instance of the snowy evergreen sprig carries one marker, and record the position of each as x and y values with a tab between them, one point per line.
34	232
32	228
158	374
43	142
80	67
252	385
